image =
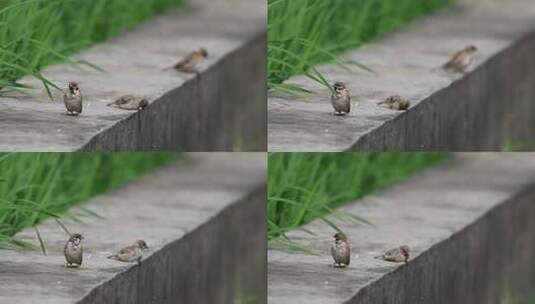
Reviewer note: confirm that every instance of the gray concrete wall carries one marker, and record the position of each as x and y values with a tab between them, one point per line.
486	109
469	223
221	109
219	262
479	264
205	225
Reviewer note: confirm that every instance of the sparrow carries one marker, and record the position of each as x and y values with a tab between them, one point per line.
340	250
74	250
132	253
396	102
341	99
397	255
461	60
129	102
191	62
73	99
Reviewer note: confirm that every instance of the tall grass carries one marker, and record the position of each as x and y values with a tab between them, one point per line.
34	186
305	186
35	33
303	33
514	297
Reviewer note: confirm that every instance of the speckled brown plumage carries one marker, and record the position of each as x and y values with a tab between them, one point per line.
130	102
341	250
190	63
396	102
73	99
398	255
130	254
74	251
341	99
461	60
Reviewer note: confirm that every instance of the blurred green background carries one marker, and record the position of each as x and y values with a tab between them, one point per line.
303	33
305	186
35	186
35	33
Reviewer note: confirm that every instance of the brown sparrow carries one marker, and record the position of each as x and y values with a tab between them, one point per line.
190	63
398	255
129	102
340	250
341	99
132	253
74	250
461	60
396	102
73	99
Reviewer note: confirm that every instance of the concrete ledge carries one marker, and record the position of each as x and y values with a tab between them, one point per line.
469	223
485	109
204	222
222	109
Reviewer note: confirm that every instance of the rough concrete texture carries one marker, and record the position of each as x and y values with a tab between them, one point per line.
222	109
469	223
484	109
204	223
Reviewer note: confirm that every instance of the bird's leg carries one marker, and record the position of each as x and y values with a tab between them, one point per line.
190	71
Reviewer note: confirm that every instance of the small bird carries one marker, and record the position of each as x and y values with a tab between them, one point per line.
396	102
129	102
190	63
397	255
73	99
341	99
340	250
132	253
74	251
461	60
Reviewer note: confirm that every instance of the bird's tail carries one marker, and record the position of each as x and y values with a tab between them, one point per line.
441	68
